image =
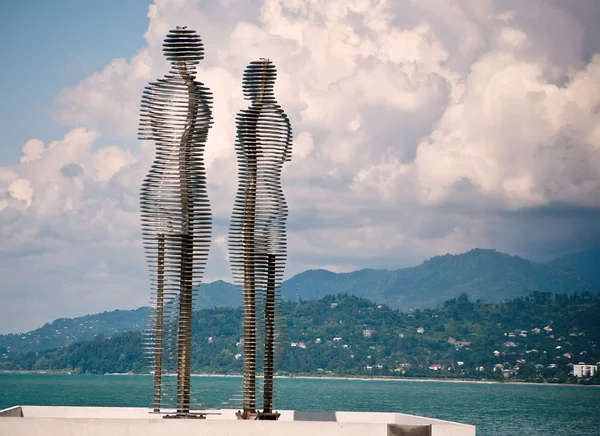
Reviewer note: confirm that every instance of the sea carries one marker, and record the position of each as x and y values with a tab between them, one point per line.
496	409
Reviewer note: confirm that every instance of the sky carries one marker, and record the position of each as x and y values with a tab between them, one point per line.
421	127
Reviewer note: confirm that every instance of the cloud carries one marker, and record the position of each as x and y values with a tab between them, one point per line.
420	128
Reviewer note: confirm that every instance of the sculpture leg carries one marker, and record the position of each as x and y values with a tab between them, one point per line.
158	345
249	250
249	332
269	335
184	352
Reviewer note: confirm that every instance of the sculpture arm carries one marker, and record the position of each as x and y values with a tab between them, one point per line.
149	124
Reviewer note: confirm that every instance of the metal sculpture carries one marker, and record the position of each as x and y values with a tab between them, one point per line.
176	221
257	239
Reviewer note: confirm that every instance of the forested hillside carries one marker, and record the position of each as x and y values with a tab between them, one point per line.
532	338
65	331
586	263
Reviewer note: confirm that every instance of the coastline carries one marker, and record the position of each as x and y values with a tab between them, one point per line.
316	377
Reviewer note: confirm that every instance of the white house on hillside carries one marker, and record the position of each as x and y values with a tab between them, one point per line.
581	370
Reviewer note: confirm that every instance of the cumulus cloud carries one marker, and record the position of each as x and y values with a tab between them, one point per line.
420	127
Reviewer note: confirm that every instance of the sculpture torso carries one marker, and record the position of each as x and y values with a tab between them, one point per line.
264	140
177	118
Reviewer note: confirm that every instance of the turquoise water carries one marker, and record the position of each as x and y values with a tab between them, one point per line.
496	409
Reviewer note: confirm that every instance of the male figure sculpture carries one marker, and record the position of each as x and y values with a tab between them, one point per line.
176	220
257	240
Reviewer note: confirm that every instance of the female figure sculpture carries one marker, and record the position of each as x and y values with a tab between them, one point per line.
257	240
176	221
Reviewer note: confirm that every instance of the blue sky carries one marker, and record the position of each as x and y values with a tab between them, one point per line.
51	45
421	127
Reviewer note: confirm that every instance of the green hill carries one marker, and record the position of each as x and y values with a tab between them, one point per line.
347	335
65	331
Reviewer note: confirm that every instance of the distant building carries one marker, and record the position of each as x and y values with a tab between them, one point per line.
420	330
510	344
337	339
584	370
458	344
333	305
496	353
318	341
435	366
368	333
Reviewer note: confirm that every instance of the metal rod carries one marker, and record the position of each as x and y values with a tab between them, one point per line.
184	348
269	336
158	347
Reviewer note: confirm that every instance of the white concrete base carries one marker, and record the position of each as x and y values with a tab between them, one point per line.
125	421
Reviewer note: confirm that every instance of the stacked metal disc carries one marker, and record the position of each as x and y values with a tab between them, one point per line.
176	219
257	239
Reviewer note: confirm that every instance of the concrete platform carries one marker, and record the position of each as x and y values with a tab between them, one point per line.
124	421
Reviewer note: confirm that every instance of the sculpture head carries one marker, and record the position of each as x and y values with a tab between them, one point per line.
259	80
183	47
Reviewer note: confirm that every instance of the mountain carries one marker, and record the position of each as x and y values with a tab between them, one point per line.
533	338
586	263
485	275
218	294
481	274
